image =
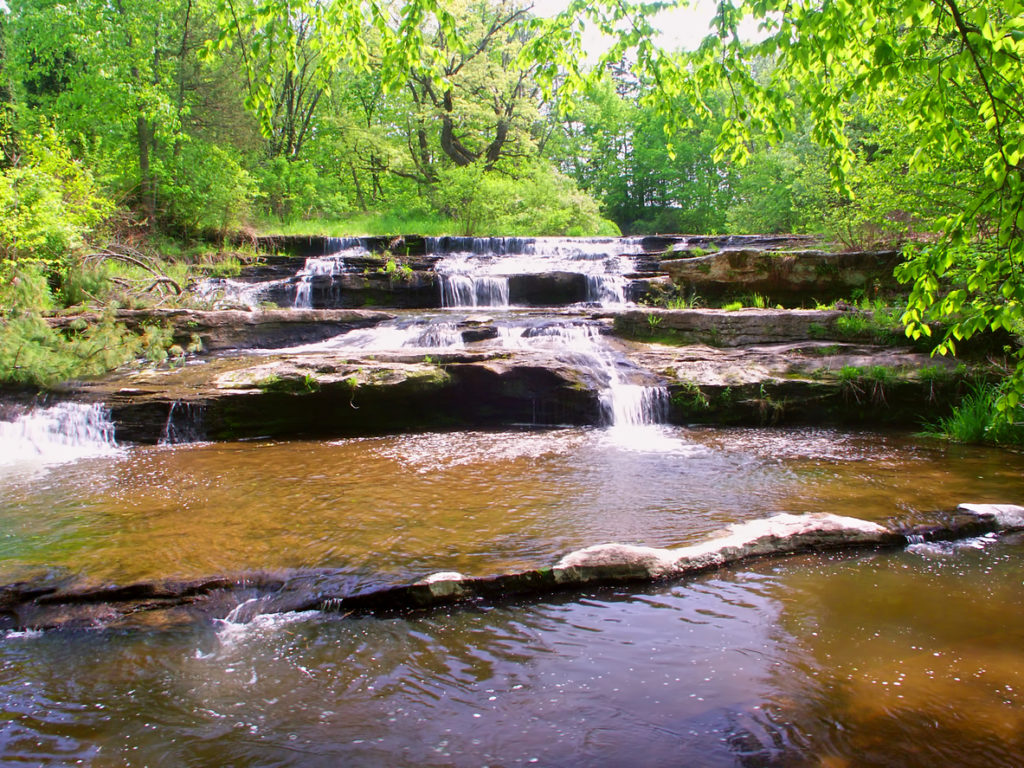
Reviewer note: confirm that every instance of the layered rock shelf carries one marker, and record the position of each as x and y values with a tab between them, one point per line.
750	366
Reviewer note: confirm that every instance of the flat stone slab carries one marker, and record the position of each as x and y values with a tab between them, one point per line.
327	394
49	605
722	328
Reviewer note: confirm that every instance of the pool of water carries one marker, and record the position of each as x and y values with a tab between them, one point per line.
397	508
895	659
900	658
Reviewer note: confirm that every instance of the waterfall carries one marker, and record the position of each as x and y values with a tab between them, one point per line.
328	265
184	423
606	290
623	404
392	335
462	290
474	272
315	267
224	292
61	432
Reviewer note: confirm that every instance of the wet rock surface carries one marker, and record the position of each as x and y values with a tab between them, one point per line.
51	603
327	395
226	329
744	367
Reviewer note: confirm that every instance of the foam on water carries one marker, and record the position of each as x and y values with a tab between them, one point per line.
60	433
931	549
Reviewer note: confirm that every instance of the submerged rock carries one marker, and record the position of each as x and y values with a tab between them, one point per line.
53	604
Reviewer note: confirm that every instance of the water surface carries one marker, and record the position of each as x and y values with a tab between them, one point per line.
396	508
894	659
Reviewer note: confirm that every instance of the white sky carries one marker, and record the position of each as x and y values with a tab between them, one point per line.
680	27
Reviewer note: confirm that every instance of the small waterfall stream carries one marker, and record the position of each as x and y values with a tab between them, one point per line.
58	433
330	264
624	403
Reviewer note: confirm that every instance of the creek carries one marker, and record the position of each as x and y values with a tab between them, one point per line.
905	657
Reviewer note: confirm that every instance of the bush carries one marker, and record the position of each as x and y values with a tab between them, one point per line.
49	204
293	190
205	189
542	202
978	420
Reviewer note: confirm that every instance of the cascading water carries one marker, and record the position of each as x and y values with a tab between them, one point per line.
475	272
390	336
184	423
332	263
463	289
59	433
623	404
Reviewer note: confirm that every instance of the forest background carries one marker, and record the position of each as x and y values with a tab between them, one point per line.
143	143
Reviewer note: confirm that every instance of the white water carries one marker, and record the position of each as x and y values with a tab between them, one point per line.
624	403
224	293
59	433
332	263
389	336
474	272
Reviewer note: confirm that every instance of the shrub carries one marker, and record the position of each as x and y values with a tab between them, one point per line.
977	420
49	204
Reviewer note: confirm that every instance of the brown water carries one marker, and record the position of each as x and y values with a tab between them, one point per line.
906	658
899	659
397	508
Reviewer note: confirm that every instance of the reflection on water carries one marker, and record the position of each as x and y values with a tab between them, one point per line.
894	659
396	508
911	658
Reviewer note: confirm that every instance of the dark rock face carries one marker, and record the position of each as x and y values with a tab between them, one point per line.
790	278
550	289
418	290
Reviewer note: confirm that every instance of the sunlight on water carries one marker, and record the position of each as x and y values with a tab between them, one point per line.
398	508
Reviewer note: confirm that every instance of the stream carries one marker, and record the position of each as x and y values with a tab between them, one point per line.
905	657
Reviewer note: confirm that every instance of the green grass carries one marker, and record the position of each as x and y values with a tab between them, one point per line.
684	302
977	420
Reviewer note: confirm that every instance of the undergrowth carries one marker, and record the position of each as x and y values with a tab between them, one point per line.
32	352
977	420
